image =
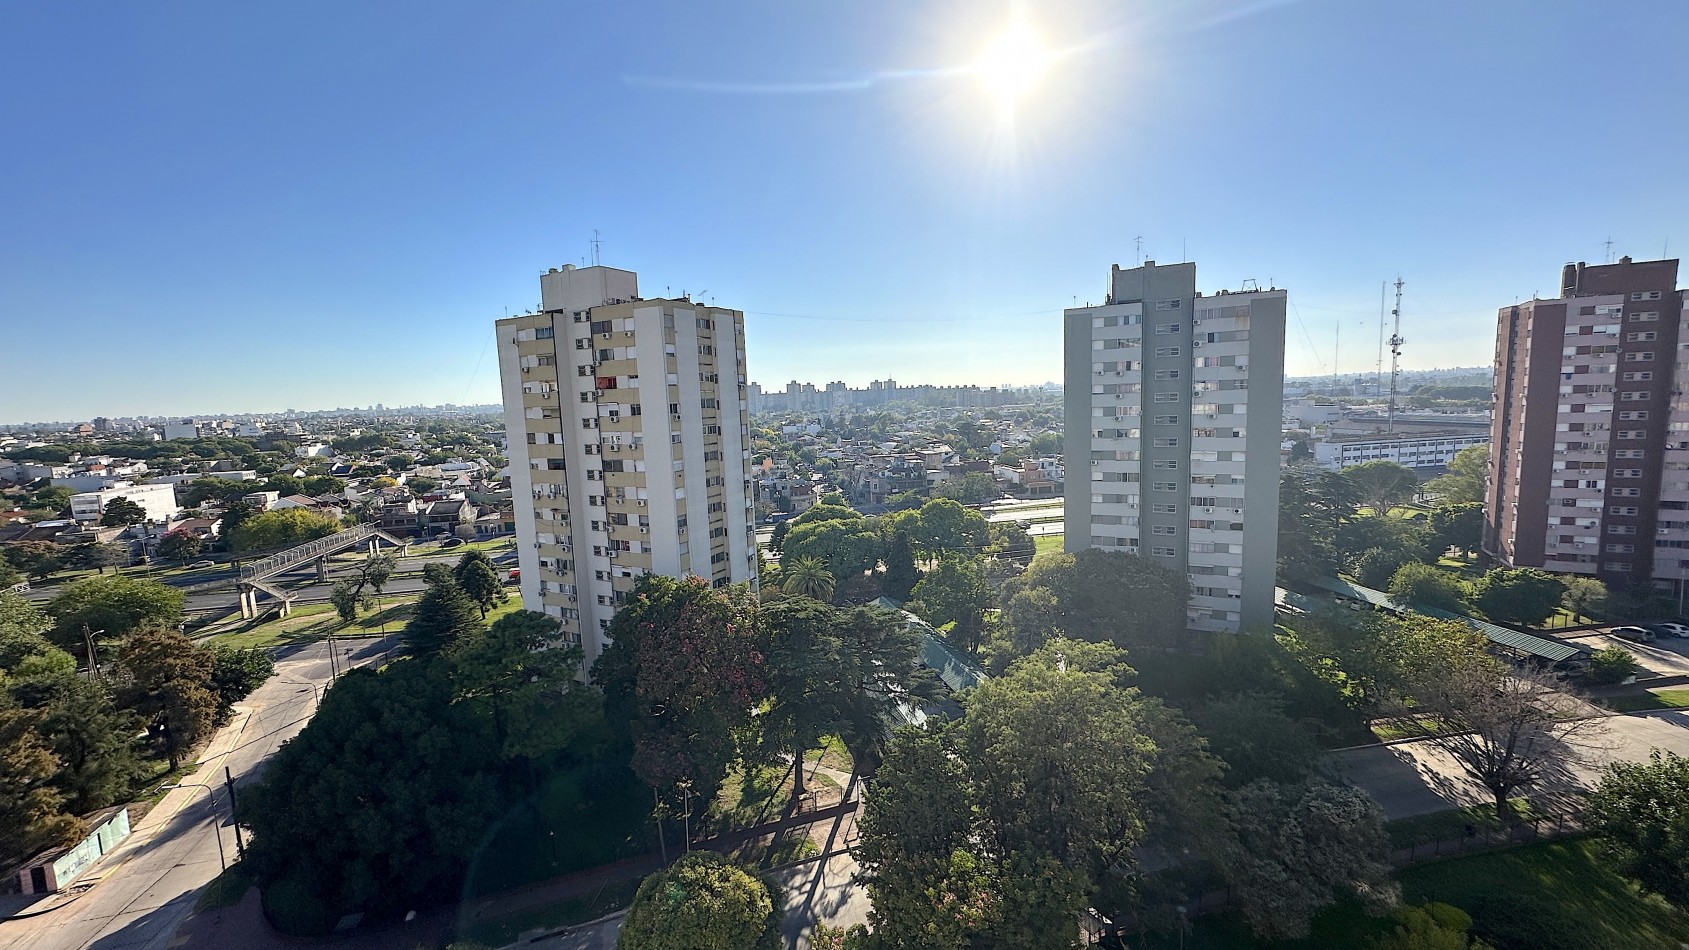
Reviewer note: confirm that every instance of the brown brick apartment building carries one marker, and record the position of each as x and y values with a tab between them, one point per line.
1589	458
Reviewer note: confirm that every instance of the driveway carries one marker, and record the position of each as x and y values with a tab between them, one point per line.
1417	778
1666	656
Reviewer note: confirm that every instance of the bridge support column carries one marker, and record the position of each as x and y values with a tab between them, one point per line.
322	568
248	604
374	547
286	606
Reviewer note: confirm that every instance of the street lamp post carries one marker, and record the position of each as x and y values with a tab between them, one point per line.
215	830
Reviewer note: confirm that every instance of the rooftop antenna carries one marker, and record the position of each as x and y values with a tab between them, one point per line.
597	245
1396	342
1138	248
1609	246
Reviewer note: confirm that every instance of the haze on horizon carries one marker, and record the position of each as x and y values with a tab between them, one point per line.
316	205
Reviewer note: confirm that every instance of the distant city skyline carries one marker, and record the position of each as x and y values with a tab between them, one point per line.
241	206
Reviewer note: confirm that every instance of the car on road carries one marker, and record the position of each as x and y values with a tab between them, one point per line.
515	576
197	565
1638	634
451	542
1669	629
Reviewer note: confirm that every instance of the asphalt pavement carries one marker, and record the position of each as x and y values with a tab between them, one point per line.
1417	778
146	888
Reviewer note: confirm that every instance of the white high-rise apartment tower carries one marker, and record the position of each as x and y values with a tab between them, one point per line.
629	445
1173	410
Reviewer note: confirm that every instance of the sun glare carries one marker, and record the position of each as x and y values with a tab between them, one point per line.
1011	64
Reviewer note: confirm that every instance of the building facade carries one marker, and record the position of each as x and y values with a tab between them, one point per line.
1173	404
629	445
1589	454
159	501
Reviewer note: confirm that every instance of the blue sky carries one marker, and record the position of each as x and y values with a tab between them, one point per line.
215	206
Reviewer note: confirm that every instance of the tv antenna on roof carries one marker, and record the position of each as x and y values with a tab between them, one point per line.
1609	245
597	245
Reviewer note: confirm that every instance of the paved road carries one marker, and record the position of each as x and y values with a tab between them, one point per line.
1417	778
1666	656
148	886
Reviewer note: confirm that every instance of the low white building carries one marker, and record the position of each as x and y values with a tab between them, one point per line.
159	501
313	450
186	429
1414	451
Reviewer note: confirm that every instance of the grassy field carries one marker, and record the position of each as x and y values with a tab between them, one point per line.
1424	829
311	622
1557	895
1652	699
1046	544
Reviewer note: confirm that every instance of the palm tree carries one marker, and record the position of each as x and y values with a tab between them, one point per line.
807	576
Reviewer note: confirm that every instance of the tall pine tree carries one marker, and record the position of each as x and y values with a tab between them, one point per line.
444	614
901	575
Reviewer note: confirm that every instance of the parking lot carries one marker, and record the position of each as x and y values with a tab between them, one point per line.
1665	656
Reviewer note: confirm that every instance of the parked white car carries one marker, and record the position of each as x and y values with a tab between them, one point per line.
1670	629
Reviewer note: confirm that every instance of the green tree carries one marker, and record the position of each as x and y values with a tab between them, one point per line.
973	488
1300	848
1517	595
179	546
323	485
701	902
1641	812
109	608
1458	526
236	673
100	554
31	808
954	592
777	540
478	577
1059	758
681	674
1585	597
525	677
38	559
234	517
169	685
849	547
420	485
1382	485
1612	665
807	576
282	528
92	738
1109	596
1425	586
1251	733
1433	926
927	887
901	575
1507	728
378	802
443	615
1464	482
943	525
1376	567
1034	617
347	599
120	512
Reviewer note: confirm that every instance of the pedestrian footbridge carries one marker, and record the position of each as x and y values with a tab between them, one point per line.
254	575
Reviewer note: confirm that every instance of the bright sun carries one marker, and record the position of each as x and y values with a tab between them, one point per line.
1011	64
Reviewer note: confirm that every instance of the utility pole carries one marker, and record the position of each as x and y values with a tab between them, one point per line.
1396	342
240	845
1378	381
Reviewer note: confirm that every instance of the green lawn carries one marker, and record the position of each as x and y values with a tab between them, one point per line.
1652	699
1557	895
1046	544
311	622
1424	829
1407	727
